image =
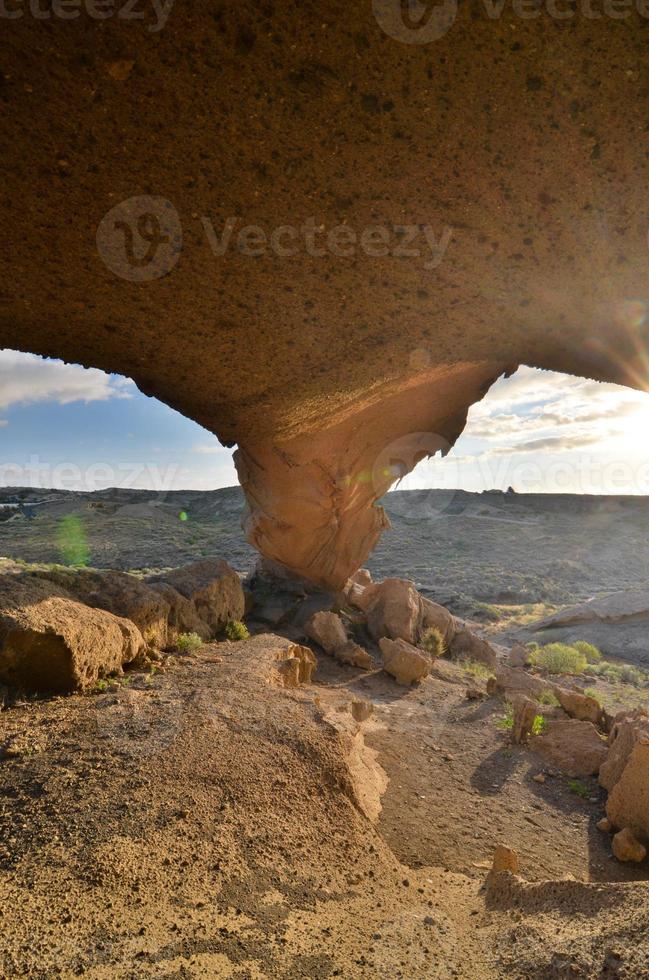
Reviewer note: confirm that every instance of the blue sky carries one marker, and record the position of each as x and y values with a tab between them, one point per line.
64	426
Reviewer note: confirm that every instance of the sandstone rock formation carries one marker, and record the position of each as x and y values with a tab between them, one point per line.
214	589
627	805
50	642
336	361
182	617
627	847
327	630
118	593
465	645
574	747
629	728
353	655
296	665
525	711
395	611
406	664
579	706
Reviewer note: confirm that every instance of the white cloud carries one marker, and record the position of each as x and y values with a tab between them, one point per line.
205	449
26	379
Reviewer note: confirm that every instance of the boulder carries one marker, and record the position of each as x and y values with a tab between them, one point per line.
362	710
580	706
50	642
353	655
510	681
118	593
525	711
359	589
327	630
465	645
213	587
628	802
395	611
574	747
438	616
406	663
295	665
504	859
183	617
628	728
626	847
518	655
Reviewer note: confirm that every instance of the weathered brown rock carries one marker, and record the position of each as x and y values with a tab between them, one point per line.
525	711
465	645
327	630
214	588
626	847
628	801
504	859
518	655
50	642
628	728
395	611
580	706
353	655
574	747
335	372
510	681
438	616
295	665
182	617
406	664
119	593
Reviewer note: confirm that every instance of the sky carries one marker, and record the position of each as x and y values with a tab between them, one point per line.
65	426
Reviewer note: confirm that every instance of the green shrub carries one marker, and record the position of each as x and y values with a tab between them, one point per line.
477	669
539	725
532	646
559	658
590	692
547	697
432	642
576	786
188	642
235	630
589	650
506	721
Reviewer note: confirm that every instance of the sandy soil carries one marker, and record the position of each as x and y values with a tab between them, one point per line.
204	822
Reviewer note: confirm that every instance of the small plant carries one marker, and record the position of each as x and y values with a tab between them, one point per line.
506	722
477	669
236	630
485	611
589	650
188	642
432	642
539	725
579	788
101	685
547	697
590	692
559	658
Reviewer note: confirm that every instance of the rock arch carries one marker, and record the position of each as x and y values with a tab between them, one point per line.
511	152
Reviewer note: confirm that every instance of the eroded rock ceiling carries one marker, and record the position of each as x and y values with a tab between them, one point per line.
319	237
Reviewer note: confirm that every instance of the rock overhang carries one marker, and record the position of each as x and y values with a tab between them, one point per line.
470	204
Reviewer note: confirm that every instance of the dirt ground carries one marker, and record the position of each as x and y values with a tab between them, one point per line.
204	822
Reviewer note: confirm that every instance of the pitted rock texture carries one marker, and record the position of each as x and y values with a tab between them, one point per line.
334	369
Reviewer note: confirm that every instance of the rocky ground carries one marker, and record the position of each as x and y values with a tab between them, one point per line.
196	817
